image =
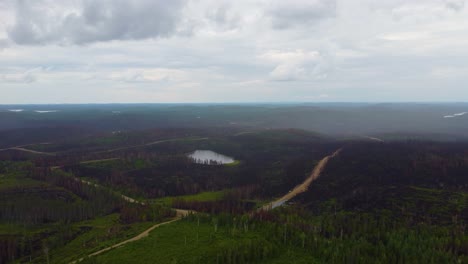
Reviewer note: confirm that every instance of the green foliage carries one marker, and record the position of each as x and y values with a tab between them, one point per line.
199	197
13	175
375	203
132	213
293	236
98	233
195	240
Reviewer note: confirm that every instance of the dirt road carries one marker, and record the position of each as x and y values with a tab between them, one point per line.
98	160
179	214
126	198
29	150
86	162
374	139
301	187
148	144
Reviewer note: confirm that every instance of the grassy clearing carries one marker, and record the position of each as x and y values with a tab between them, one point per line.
232	164
98	234
188	241
8	181
199	197
179	242
20	229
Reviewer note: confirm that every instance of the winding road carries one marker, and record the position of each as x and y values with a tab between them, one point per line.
149	144
179	215
374	139
20	148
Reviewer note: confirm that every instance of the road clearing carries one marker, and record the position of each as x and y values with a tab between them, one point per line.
150	144
179	215
303	186
28	150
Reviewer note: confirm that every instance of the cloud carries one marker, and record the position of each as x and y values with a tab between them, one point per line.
220	50
286	14
223	17
424	11
297	65
250	83
455	5
450	73
4	43
148	75
20	77
406	36
43	22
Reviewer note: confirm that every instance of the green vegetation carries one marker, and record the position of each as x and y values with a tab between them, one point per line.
11	180
48	214
190	241
232	164
294	237
99	233
199	197
398	202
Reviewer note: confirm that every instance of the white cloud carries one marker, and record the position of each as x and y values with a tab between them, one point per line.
297	65
19	76
147	75
406	36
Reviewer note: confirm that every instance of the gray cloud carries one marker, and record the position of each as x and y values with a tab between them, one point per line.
4	43
222	50
37	22
286	14
222	17
455	5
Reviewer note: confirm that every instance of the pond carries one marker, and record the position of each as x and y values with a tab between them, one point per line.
209	157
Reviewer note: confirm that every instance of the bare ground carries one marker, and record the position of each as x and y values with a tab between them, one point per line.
303	186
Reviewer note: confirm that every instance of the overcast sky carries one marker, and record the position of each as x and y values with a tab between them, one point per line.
160	51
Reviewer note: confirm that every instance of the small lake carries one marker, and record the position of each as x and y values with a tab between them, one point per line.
209	157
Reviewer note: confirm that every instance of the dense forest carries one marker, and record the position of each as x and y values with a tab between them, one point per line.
274	161
397	201
41	205
404	120
424	179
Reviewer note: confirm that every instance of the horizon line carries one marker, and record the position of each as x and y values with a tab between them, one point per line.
267	102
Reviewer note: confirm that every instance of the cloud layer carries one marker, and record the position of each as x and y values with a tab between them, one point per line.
286	14
42	22
78	51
